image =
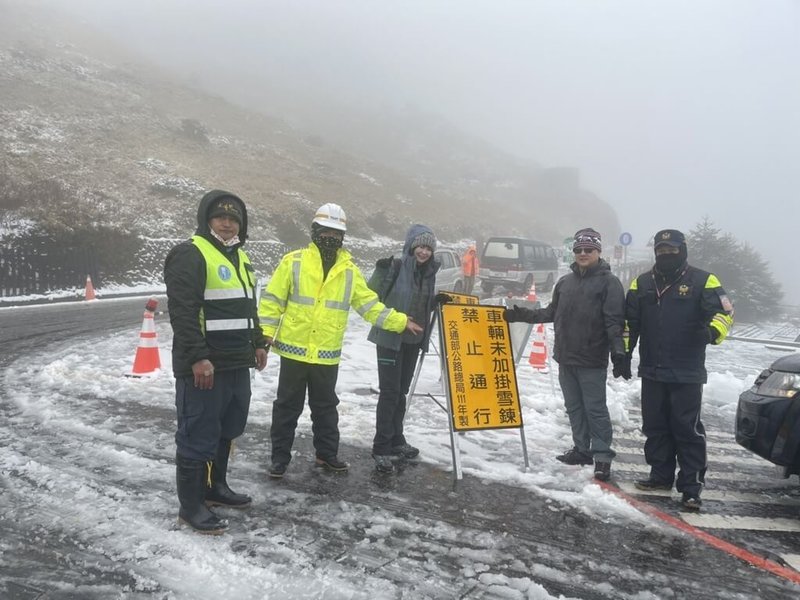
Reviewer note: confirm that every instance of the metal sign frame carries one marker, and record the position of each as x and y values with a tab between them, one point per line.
518	350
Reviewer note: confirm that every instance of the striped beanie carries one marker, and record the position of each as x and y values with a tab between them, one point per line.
587	238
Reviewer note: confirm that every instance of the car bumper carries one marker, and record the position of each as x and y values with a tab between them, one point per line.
770	428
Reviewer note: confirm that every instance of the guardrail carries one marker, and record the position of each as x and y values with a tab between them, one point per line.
766	341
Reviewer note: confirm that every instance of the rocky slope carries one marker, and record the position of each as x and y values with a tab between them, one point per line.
131	147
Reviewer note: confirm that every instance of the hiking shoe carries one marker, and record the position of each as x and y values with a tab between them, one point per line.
277	470
650	484
333	464
383	463
602	471
406	451
573	456
691	502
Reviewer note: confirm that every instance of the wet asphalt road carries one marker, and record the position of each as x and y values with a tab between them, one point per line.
512	530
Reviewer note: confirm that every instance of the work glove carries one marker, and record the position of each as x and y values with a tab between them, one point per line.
442	298
512	315
622	366
384	263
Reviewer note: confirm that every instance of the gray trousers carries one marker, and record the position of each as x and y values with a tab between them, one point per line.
584	392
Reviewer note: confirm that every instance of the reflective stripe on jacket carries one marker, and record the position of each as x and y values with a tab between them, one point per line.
671	324
312	311
228	299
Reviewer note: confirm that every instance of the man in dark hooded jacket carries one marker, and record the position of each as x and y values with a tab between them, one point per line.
216	340
587	310
674	312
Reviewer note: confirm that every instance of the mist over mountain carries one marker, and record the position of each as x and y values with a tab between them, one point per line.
135	146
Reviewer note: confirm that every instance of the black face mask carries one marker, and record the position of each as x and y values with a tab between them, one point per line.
328	246
668	264
328	243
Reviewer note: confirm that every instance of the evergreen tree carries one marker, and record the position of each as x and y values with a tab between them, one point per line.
745	276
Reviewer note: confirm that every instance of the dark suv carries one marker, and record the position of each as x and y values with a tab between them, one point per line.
768	415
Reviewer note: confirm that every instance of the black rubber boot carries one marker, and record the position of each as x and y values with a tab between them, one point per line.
219	494
192	477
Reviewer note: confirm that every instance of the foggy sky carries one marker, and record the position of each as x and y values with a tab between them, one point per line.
672	110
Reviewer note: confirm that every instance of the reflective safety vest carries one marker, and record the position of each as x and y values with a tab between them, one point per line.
306	314
226	317
469	263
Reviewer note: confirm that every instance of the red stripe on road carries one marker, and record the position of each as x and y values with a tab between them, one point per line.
704	536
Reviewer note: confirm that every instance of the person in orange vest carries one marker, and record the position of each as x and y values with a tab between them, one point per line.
469	266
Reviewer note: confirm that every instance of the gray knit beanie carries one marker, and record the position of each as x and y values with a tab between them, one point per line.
426	238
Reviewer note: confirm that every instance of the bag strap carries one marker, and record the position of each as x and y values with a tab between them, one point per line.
394	271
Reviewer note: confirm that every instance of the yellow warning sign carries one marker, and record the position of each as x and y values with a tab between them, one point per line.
482	382
463	298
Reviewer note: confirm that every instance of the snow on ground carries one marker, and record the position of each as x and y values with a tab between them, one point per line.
51	394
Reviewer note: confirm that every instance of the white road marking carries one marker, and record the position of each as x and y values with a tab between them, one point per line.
719	443
708	521
793	560
713	475
743	459
721	495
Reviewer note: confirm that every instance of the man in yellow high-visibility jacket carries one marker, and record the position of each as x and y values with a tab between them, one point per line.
303	314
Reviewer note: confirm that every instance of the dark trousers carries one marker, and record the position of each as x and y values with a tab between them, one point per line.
469	283
395	372
207	416
671	423
320	380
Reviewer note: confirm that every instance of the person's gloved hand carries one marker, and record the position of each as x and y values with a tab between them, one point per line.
622	366
512	315
384	263
442	298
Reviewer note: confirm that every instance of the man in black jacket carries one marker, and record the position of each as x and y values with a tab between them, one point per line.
216	340
675	310
587	310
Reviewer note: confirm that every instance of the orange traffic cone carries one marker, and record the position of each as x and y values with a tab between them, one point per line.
538	357
532	292
88	293
147	360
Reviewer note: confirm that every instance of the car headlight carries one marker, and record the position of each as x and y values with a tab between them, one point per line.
781	385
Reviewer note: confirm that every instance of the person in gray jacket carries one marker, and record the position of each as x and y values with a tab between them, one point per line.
406	284
588	313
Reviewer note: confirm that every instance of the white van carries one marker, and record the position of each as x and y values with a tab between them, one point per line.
515	263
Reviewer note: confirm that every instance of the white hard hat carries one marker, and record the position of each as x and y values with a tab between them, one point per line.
331	215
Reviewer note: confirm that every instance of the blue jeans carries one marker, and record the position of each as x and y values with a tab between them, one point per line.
584	392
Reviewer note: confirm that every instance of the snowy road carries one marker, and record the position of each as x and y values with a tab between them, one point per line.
87	505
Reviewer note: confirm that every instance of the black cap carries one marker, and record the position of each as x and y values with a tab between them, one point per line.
671	237
228	207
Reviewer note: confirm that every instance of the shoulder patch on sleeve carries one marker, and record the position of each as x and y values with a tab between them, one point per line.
727	305
635	284
712	281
